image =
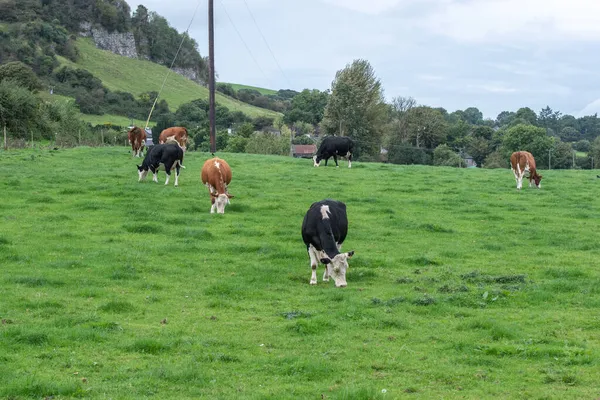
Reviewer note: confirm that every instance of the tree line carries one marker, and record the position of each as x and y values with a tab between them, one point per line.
405	132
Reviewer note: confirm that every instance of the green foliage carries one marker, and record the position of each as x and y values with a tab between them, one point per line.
237	144
444	156
18	108
407	154
425	127
496	159
308	107
562	156
356	108
21	74
245	130
528	138
478	148
267	143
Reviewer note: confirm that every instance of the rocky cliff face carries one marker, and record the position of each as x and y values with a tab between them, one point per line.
122	44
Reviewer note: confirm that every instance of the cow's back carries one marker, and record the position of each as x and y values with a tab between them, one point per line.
522	159
180	133
213	175
337	221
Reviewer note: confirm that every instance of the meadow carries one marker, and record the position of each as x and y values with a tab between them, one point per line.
135	76
461	286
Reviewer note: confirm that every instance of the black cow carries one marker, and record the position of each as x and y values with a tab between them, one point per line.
169	155
334	146
324	229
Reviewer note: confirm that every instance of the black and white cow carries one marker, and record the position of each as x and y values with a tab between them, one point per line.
324	229
334	146
166	155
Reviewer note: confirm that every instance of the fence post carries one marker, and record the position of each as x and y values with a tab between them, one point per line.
549	159
79	135
5	141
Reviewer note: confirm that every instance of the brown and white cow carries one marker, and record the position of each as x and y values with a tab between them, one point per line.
216	175
521	162
137	140
179	133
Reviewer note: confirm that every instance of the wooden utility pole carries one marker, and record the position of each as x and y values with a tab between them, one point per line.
211	77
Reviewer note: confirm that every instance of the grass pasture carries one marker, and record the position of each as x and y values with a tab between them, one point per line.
135	76
461	286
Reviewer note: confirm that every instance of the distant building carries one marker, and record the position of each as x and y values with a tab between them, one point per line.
469	161
304	150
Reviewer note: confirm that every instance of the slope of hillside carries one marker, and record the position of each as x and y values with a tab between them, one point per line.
266	92
138	76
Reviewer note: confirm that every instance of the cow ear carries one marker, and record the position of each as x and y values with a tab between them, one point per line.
325	261
350	253
230	195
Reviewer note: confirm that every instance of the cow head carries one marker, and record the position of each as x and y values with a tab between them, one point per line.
337	267
220	201
141	173
537	179
316	161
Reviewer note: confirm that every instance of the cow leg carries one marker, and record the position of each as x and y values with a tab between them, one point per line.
335	159
327	159
168	171
314	261
177	175
349	160
516	177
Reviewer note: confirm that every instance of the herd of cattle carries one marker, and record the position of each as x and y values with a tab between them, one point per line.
325	224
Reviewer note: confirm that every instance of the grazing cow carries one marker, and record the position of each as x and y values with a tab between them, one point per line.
520	162
324	229
216	175
334	146
137	140
168	155
179	133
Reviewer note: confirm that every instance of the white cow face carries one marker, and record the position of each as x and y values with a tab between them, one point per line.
315	162
337	267
220	202
141	173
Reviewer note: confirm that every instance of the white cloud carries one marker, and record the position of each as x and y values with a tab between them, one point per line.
494	87
544	21
372	7
590	109
430	78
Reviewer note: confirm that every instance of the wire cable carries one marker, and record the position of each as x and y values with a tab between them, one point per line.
243	41
172	63
267	44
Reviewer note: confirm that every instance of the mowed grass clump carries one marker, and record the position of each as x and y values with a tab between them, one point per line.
461	286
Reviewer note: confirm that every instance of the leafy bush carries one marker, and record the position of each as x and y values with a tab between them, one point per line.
496	160
444	156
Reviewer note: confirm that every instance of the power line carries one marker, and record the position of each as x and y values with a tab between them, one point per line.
267	44
172	63
243	41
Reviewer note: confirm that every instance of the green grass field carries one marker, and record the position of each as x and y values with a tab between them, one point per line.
138	76
238	86
461	286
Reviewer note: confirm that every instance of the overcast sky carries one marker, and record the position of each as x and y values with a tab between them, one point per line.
492	54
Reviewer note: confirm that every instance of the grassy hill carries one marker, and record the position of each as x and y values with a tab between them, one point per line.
461	286
138	76
264	91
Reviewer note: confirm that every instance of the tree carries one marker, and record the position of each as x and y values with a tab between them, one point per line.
21	74
479	148
569	134
562	156
595	152
356	108
426	127
549	119
505	118
18	107
444	156
473	116
526	115
528	138
308	106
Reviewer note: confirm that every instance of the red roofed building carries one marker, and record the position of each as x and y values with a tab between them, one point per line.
304	150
